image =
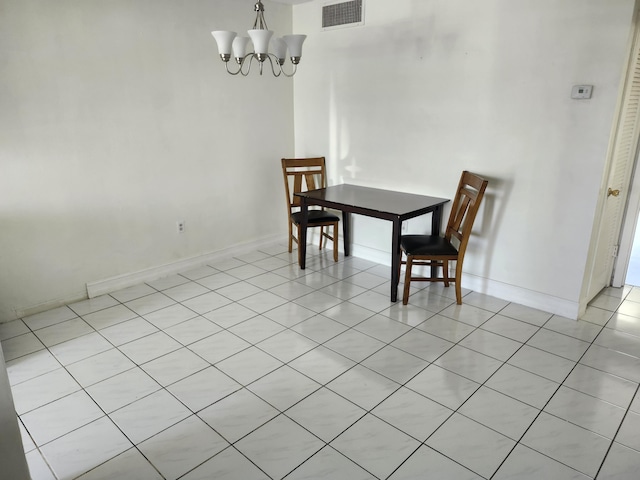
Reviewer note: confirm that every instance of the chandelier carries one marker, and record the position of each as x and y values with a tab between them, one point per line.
260	37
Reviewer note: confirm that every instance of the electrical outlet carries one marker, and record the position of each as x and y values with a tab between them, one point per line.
180	226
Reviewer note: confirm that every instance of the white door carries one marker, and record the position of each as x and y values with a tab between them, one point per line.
628	258
615	191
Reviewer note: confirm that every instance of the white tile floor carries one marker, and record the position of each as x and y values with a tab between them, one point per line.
253	369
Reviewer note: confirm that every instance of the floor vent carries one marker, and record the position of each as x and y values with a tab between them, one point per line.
342	14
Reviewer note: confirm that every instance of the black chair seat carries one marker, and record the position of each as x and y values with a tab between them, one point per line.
427	245
315	216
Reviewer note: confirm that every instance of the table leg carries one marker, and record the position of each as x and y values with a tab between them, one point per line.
436	224
436	220
346	232
395	259
302	240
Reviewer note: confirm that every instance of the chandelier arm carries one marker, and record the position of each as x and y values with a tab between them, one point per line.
250	57
289	75
273	70
240	66
226	64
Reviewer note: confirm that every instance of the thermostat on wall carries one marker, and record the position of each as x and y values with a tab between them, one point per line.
581	92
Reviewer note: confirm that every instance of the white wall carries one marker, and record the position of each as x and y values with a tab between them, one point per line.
116	120
428	88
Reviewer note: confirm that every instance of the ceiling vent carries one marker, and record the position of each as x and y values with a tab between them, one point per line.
343	14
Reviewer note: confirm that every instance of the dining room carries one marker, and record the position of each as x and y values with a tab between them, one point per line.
130	155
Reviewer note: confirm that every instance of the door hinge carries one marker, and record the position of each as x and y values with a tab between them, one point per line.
615	251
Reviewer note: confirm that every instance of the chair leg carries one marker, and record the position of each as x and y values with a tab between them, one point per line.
290	236
299	249
407	280
459	283
445	272
335	242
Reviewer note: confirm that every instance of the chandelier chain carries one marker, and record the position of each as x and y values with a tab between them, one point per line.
260	23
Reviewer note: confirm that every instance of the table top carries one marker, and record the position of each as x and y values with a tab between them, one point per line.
372	201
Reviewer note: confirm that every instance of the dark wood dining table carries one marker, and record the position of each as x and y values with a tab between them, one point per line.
371	202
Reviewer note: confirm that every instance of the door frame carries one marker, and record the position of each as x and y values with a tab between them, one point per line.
586	294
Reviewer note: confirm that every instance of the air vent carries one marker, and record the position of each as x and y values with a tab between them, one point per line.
342	14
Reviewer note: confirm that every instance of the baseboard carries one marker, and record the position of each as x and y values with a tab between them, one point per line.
7	315
523	296
113	284
503	291
371	254
108	285
511	293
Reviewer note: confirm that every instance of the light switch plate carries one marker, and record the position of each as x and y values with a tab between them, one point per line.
581	92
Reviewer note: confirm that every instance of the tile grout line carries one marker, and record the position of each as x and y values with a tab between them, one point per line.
385	344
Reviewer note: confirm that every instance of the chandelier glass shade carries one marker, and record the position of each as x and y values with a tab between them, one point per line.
265	47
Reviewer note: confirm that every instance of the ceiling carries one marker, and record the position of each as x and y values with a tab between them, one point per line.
291	2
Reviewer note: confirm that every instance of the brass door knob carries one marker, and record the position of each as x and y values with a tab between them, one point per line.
615	193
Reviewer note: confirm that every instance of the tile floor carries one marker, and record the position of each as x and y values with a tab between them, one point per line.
253	369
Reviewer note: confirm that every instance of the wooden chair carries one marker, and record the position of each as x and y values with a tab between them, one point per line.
300	175
436	251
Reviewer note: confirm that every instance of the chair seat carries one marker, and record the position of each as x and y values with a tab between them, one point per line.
315	216
417	245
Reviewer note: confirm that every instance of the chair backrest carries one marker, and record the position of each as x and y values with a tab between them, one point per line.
300	175
465	208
